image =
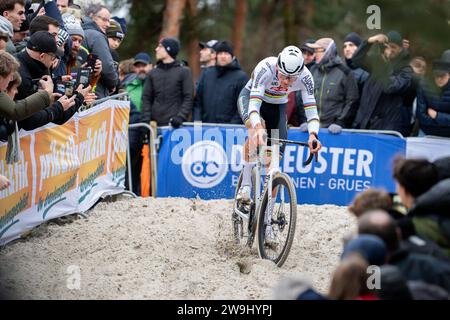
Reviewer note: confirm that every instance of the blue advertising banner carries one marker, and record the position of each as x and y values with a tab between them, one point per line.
206	162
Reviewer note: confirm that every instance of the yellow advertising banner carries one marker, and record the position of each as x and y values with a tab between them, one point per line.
64	169
18	197
94	140
57	165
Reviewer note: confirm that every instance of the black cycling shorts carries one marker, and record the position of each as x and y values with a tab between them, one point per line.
274	116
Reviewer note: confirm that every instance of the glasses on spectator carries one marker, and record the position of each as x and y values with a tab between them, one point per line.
52	56
102	18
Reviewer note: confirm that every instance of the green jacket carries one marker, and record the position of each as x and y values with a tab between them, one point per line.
25	108
135	89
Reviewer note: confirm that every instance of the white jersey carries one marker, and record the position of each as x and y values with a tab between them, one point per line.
264	85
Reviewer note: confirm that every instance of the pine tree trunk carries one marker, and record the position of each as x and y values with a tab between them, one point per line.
289	23
193	48
173	14
240	14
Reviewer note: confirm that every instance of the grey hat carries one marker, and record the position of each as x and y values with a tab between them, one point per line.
72	25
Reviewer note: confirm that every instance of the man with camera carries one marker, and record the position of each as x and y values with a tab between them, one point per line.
382	98
35	62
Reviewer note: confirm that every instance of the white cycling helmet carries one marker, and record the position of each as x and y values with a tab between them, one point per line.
290	61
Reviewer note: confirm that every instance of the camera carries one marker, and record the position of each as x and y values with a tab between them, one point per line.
64	87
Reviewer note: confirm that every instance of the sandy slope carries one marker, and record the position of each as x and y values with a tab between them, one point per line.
164	249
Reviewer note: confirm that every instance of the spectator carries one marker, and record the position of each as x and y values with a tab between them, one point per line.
433	101
115	37
219	87
336	90
351	43
95	25
369	200
419	66
79	54
3	40
349	281
414	266
393	285
168	89
309	54
21	37
132	74
428	201
63	5
382	99
12	15
296	113
208	54
368	246
25	108
141	67
35	61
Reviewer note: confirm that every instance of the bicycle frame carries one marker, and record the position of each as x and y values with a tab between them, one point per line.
274	168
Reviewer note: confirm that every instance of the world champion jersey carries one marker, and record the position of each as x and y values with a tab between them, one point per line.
264	85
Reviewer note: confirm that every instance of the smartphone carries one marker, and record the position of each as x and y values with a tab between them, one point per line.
68	88
83	77
91	59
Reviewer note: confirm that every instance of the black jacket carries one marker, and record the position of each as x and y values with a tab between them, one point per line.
167	93
336	93
55	113
217	94
415	266
29	69
438	99
382	99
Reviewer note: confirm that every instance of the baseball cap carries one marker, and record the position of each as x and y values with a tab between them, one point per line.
321	43
44	42
210	44
305	47
142	57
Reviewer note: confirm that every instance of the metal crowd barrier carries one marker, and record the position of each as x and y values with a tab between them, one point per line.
153	152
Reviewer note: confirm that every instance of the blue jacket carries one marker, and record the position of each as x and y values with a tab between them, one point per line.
439	100
217	94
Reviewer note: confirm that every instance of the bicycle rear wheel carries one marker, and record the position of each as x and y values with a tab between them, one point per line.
283	222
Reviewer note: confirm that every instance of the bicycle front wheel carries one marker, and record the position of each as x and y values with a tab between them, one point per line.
280	216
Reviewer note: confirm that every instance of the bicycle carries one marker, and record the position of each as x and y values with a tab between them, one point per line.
277	186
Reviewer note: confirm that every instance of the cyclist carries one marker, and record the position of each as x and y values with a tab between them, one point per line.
262	105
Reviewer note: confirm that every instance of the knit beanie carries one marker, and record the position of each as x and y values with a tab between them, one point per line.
395	37
72	25
224	46
115	30
172	46
354	38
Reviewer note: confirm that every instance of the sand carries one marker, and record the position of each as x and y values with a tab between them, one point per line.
164	249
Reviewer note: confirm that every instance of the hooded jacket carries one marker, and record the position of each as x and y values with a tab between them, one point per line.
336	92
217	94
167	93
382	98
96	42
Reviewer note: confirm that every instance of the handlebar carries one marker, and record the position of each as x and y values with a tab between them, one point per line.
304	144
